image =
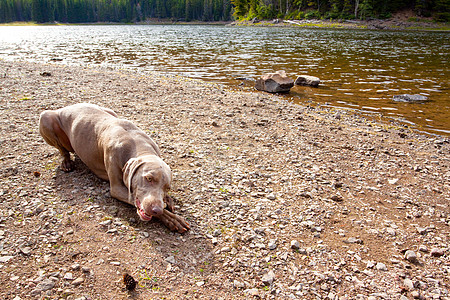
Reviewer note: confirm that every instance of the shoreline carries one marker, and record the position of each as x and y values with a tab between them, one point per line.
284	200
390	24
377	24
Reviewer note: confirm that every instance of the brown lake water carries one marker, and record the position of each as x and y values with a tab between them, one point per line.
359	69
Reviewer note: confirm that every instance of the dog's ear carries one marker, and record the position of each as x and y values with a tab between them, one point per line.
129	169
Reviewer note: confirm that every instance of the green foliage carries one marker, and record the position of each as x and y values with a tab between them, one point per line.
265	12
89	11
313	14
127	11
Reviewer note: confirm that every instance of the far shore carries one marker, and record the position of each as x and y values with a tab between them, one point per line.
375	24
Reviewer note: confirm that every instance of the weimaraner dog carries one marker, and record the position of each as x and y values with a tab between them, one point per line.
118	151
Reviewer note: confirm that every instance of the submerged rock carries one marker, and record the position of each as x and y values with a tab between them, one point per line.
409	98
276	82
307	80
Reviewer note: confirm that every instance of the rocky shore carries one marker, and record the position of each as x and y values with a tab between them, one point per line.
285	201
375	24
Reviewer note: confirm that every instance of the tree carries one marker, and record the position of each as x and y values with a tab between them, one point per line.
240	8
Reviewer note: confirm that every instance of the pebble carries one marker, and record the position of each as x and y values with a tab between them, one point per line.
171	260
25	250
268	278
295	245
105	223
408	284
5	259
411	256
272	245
225	249
252	292
43	286
381	266
78	281
415	294
353	240
238	284
437	252
423	248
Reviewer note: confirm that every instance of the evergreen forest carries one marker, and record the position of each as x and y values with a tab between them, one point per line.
127	11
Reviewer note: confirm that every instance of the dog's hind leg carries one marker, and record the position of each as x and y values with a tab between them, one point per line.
51	131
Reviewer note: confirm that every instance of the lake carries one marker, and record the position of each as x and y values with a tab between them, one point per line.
359	69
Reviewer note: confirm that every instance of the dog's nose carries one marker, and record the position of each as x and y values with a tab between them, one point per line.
156	211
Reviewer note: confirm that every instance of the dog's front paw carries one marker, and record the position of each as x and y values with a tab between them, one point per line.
169	202
174	222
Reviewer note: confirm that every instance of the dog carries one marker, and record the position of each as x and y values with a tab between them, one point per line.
118	151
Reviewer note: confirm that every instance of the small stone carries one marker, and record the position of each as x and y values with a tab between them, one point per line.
337	198
214	241
437	252
225	249
237	284
422	230
316	229
353	240
251	292
272	245
45	285
423	248
393	181
295	245
381	266
86	269
105	223
411	256
307	80
268	278
410	98
78	281
75	267
171	260
5	259
25	250
68	276
409	284
415	294
200	283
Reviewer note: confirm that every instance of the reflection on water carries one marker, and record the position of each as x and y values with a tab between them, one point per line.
358	69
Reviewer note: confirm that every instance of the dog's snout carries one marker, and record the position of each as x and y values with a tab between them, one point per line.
156	211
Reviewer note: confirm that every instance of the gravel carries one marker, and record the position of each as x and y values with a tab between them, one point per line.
285	201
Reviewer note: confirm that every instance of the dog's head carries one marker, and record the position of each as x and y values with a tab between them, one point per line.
148	180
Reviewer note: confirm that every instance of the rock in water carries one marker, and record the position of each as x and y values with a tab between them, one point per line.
307	80
409	98
276	82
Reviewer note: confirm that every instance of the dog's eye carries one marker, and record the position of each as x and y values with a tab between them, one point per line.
149	179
